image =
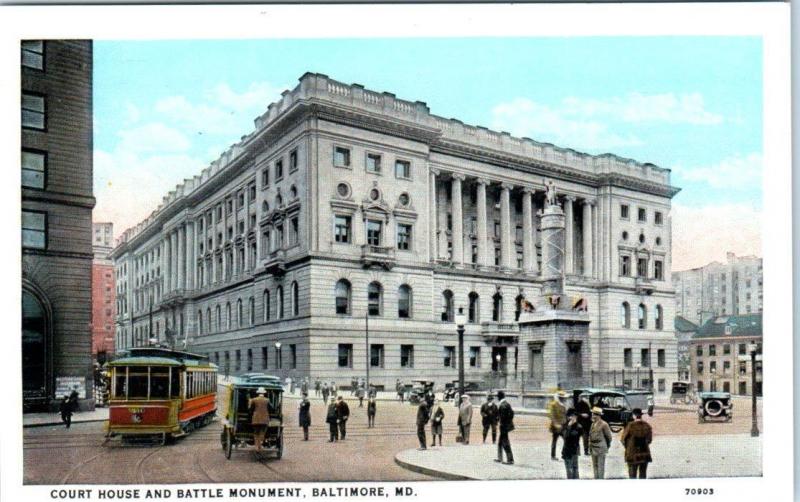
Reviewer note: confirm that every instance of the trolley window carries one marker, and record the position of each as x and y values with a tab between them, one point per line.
175	383
120	382
137	382
159	382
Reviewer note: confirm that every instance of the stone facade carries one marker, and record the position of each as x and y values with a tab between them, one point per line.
347	207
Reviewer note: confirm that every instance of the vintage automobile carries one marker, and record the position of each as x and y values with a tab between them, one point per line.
617	405
682	392
714	405
419	389
451	389
237	429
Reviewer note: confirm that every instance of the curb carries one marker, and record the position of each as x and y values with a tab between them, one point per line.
431	472
50	424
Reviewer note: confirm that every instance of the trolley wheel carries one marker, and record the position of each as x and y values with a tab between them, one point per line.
228	444
279	453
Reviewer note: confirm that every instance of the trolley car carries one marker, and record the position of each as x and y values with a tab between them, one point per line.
237	430
158	394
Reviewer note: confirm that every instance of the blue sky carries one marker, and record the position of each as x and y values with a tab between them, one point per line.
165	109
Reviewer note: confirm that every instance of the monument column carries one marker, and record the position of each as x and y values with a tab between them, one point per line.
458	219
483	234
569	252
588	259
505	227
528	251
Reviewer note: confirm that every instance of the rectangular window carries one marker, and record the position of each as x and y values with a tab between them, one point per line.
641	267
376	356
726	349
293	355
625	266
240	200
34	229
293	161
229	204
662	358
659	218
628	358
373	163
474	357
712	350
33	54
374	232
742	349
645	358
265	177
662	385
251	193
624	209
294	230
406	356
659	270
712	366
279	237
342	229
699	368
238	365
278	169
341	157
33	111
403	236
402	169
726	367
642	214
345	355
742	367
264	357
34	169
449	356
249	359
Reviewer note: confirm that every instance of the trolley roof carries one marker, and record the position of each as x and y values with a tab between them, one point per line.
162	357
250	384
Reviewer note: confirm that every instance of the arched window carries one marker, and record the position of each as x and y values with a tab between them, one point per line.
474	315
209	328
404	301
265	207
267	306
497	307
239	313
280	302
518	306
375	299
295	300
447	306
200	322
642	316
626	315
342	293
659	317
228	316
252	310
219	318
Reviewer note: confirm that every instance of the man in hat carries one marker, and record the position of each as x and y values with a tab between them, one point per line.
66	411
371	408
572	433
465	417
423	415
342	413
637	437
331	418
400	390
304	417
599	442
583	409
557	413
259	407
317	387
325	392
489	418
506	418
437	421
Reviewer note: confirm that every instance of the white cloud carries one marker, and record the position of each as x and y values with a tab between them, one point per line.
523	117
739	171
635	107
153	137
704	234
132	114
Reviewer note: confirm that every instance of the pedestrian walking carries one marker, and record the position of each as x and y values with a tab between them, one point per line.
437	421
343	414
373	392
259	409
599	442
304	387
334	390
505	414
465	418
557	413
73	399
637	437
304	416
326	391
317	387
489	418
360	396
400	390
66	411
353	386
332	419
571	450
423	415
371	408
584	410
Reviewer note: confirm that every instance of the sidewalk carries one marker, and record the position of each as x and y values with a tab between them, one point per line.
673	457
45	419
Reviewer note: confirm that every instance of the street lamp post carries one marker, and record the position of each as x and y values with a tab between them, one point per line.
753	349
278	356
461	320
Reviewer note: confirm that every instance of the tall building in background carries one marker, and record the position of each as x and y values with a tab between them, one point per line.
103	292
732	288
347	207
57	202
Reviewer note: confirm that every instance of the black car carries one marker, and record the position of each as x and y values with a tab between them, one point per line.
451	389
617	405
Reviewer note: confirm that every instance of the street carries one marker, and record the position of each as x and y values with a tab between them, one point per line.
55	455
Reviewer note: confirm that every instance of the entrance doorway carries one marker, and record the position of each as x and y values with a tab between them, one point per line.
34	348
499	359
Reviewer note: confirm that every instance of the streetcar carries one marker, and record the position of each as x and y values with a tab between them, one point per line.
237	430
159	394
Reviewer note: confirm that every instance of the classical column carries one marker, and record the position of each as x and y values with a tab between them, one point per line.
528	250
505	227
569	236
181	257
483	234
191	256
588	259
174	252
163	277
458	218
442	218
433	214
168	259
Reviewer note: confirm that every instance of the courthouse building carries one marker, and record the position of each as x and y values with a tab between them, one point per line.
57	204
351	226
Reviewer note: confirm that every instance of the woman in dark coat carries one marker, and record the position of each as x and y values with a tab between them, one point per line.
305	415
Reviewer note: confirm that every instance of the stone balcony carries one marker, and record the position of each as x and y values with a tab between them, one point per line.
500	333
275	263
644	285
173	297
382	256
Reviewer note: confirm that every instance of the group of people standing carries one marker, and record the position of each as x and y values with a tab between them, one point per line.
586	422
338	411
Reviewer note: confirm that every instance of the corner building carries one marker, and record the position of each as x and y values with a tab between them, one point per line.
347	207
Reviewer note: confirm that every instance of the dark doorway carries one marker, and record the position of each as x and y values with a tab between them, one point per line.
499	359
34	347
574	360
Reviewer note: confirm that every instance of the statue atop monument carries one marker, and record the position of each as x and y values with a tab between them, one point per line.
550	193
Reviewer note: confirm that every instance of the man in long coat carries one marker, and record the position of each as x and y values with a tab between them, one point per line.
371	408
557	413
259	407
505	416
465	418
423	415
584	410
599	442
489	418
325	392
333	421
343	413
637	437
304	417
571	450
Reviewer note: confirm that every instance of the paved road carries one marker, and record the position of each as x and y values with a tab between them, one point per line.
54	455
